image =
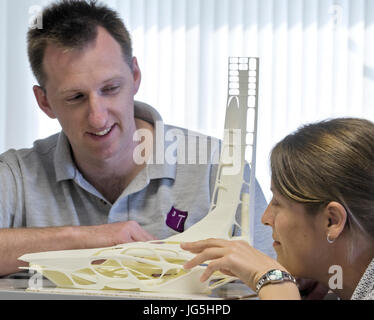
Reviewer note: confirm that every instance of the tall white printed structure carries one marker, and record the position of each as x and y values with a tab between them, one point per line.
157	266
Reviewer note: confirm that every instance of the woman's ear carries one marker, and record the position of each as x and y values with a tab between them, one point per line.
41	98
335	217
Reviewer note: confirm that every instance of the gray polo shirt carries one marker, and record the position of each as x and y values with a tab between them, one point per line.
42	187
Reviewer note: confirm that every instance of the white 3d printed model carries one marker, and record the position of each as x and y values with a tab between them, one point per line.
157	266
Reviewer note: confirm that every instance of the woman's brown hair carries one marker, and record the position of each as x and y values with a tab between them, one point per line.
329	161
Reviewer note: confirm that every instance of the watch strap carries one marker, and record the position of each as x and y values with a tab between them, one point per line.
274	276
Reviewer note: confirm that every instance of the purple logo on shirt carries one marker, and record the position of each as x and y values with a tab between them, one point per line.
176	219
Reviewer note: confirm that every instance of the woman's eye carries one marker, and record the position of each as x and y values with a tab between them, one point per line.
274	202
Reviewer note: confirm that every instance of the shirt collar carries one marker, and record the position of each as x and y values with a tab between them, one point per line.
66	168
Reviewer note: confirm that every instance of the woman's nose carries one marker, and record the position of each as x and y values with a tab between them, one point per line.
267	217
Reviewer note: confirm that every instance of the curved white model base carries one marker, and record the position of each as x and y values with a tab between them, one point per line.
152	266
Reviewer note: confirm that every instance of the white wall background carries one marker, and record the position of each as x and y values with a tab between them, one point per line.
317	62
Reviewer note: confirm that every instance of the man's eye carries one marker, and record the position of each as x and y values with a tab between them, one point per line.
111	89
75	98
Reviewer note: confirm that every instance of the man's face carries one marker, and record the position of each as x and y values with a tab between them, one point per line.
91	93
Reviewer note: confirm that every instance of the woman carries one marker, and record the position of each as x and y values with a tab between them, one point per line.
322	216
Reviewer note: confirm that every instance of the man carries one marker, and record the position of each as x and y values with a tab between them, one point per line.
82	188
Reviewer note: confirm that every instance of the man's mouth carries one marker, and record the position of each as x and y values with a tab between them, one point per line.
102	133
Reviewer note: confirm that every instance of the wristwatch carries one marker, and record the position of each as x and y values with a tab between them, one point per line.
274	276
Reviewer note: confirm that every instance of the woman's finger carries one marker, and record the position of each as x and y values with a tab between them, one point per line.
216	265
199	246
207	254
210	269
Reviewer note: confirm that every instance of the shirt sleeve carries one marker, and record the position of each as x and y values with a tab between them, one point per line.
8	195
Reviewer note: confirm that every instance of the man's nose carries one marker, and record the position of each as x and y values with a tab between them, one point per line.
97	112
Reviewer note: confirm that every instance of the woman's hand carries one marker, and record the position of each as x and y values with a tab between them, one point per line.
233	258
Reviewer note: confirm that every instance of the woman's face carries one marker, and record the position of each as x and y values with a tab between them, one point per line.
298	237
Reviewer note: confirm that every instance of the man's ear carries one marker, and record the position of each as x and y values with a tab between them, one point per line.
136	74
335	217
41	98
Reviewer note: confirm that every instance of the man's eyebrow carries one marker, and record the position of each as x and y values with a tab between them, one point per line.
113	79
71	90
64	91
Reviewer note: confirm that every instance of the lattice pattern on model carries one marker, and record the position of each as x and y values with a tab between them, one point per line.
157	266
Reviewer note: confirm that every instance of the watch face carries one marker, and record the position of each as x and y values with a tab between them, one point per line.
275	275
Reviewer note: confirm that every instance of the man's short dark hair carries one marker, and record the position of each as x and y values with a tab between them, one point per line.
73	24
